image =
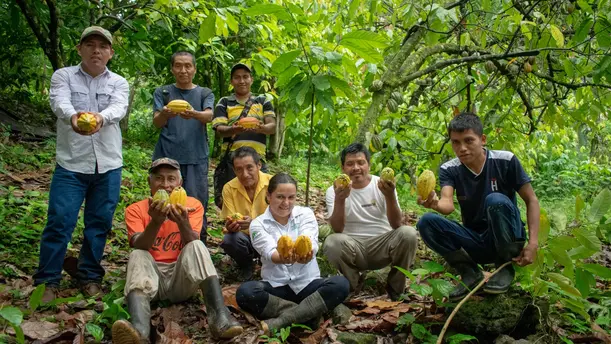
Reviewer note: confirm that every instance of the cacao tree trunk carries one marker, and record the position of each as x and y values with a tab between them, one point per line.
276	141
124	124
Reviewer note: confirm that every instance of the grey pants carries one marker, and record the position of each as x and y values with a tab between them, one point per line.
352	255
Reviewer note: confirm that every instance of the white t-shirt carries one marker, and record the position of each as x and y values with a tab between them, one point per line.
365	210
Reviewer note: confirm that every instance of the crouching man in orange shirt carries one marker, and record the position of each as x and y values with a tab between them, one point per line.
168	262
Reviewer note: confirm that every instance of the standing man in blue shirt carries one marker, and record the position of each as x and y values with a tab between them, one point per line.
486	182
88	163
184	135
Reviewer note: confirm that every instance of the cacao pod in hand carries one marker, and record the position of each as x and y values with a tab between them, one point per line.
303	246
392	105
376	85
86	122
249	123
342	180
284	246
178	196
162	195
179	105
426	184
387	174
376	143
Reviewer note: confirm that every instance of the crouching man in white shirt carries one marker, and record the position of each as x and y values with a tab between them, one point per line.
366	219
291	290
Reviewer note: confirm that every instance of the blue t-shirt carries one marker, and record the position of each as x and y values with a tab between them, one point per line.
502	173
184	140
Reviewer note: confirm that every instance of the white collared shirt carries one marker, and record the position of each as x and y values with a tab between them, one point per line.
73	90
264	234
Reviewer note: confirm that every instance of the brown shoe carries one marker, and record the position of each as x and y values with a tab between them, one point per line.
71	266
49	295
124	333
92	289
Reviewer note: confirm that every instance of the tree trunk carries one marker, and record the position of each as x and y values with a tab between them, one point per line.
276	141
217	144
124	124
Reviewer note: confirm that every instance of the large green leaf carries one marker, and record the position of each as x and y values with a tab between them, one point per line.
366	44
12	314
558	36
544	227
276	10
284	61
599	270
584	281
579	205
562	257
321	82
576	306
587	238
563	283
208	28
600	206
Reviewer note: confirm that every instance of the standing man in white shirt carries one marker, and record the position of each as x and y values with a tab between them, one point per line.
88	163
366	219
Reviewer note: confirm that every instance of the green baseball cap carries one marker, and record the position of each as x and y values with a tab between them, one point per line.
96	30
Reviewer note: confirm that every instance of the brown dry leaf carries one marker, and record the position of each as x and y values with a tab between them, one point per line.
85	316
251	319
383	305
601	334
368	310
173	335
319	335
370	325
229	295
40	329
62	337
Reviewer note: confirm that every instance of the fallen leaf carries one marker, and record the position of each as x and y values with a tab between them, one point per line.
173	334
368	310
369	325
319	335
229	296
62	337
383	305
39	329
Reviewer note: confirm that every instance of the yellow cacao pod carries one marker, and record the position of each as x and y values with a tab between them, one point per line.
388	174
303	246
178	196
86	122
342	180
162	195
179	105
426	183
236	217
284	246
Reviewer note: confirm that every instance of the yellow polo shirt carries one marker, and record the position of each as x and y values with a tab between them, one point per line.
236	200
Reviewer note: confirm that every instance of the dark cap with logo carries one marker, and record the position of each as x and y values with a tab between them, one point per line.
96	30
164	162
239	66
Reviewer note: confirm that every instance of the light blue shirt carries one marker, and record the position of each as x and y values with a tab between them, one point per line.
264	234
73	90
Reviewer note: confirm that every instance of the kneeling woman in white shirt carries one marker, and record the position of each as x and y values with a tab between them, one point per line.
291	290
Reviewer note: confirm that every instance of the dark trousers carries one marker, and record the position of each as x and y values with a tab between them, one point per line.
195	183
100	191
252	296
504	226
238	246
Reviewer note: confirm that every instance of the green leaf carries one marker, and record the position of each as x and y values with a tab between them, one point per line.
287	75
562	257
441	287
579	205
12	314
365	44
303	91
582	30
433	266
600	206
459	338
232	23
406	273
260	9
587	239
422	289
563	283
36	297
584	281
585	6
601	31
321	82
341	87
208	28
419	331
558	36
576	306
599	270
284	61
96	331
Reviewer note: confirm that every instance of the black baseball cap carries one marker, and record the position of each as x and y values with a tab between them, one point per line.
164	162
239	66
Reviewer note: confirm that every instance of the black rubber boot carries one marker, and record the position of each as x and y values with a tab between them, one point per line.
220	321
500	282
276	306
139	329
311	307
469	271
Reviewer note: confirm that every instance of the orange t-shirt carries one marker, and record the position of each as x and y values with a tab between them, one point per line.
168	244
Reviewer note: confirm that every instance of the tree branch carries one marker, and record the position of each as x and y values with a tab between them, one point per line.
569	85
53	34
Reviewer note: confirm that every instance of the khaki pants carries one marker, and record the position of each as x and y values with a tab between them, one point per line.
175	281
351	255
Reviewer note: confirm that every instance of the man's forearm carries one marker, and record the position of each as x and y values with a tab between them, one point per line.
146	239
533	213
268	129
338	217
445	207
159	120
393	212
205	116
225	130
187	234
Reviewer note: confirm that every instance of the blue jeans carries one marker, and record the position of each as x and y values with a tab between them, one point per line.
504	227
238	246
100	191
195	183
